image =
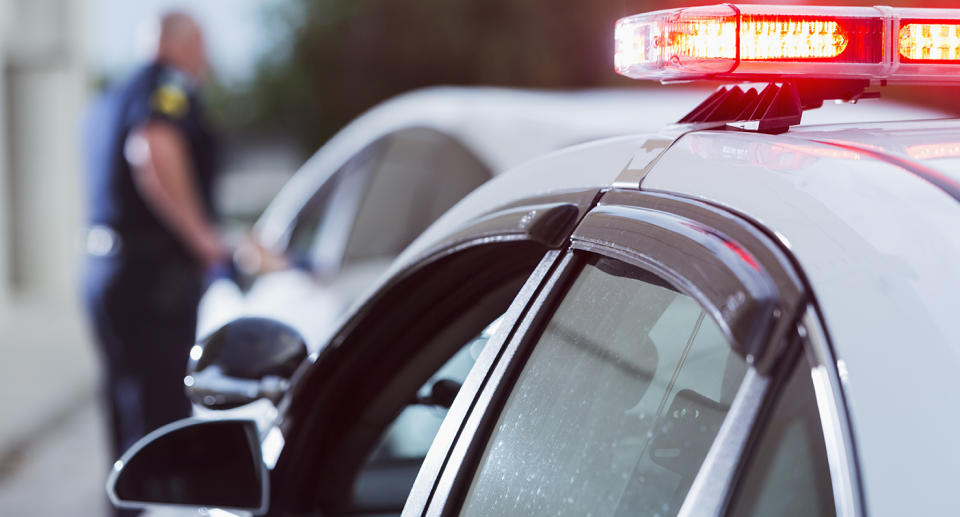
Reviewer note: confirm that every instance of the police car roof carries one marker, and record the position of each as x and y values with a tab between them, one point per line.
599	163
876	241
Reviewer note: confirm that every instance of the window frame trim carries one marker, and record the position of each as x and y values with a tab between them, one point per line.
463	456
716	479
769	281
439	455
462	453
834	415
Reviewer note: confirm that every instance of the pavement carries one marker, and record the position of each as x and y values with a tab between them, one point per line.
53	453
62	472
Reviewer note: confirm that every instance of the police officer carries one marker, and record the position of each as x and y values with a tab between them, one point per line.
150	158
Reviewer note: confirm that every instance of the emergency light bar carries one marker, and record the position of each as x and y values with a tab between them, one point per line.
774	42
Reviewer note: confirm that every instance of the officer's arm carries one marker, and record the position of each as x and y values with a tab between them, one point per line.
157	152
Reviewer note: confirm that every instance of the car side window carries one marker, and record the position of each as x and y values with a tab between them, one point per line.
308	228
307	225
390	470
410	434
616	407
788	473
420	175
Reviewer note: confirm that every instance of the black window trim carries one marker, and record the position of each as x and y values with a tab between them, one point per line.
463	455
547	220
442	450
708	223
753	292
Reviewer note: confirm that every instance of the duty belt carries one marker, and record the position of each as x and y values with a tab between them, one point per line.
106	241
102	241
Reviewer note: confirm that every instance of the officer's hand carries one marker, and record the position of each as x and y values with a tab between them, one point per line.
252	258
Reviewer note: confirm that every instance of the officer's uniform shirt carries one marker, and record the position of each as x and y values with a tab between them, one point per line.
155	92
141	285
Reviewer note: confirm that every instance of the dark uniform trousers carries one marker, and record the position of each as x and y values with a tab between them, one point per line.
144	312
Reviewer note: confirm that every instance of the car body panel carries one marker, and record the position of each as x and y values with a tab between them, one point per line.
933	142
876	244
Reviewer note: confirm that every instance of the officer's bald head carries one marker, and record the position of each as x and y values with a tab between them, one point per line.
178	41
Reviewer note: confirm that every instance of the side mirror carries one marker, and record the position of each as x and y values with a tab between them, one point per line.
193	463
247	359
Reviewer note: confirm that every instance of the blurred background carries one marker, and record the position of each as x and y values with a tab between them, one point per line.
288	74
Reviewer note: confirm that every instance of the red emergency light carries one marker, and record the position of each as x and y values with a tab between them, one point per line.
773	43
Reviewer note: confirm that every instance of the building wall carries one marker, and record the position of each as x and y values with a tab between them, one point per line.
42	100
49	367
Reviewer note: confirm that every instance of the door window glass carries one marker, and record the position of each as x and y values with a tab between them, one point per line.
788	475
616	407
411	433
421	174
308	228
391	469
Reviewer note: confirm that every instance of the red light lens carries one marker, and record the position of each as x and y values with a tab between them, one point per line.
788	37
703	39
936	42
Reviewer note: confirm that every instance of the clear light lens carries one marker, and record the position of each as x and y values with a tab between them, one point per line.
664	43
930	41
784	37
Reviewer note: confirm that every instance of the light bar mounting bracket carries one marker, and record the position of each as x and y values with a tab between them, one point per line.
775	107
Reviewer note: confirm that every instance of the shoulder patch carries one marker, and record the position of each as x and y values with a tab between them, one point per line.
170	100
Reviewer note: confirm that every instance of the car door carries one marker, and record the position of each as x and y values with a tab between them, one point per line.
353	436
663	369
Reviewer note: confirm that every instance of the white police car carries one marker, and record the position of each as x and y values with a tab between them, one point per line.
735	316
